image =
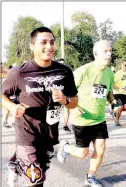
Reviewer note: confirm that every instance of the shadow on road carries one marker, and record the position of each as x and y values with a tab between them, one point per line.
114	163
115	178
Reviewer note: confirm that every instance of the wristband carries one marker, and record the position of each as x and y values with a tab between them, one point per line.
67	100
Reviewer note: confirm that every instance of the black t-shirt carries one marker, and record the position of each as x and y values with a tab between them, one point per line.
32	85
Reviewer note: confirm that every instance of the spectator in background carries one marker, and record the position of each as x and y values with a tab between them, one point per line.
7	112
120	91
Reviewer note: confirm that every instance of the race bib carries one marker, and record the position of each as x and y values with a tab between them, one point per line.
53	116
99	91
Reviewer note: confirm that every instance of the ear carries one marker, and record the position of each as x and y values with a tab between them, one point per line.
31	46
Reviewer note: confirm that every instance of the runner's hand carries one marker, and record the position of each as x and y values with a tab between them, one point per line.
20	110
58	96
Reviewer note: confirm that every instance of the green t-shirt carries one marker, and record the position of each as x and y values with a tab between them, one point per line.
120	81
93	87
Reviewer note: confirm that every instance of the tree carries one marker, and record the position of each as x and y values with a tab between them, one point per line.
86	22
71	57
78	40
56	29
117	64
120	47
18	49
83	45
106	32
82	36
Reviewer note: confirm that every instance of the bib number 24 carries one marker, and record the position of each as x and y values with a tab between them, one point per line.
53	116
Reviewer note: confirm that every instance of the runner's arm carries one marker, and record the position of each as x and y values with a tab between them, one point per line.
58	96
73	102
118	89
66	115
18	109
110	97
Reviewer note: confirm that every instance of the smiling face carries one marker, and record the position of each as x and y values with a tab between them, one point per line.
43	46
102	53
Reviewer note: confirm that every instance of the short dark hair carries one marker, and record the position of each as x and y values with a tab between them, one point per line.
38	30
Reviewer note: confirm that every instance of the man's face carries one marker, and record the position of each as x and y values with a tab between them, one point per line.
104	53
44	46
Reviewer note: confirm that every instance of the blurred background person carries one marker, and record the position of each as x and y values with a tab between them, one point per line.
120	90
12	98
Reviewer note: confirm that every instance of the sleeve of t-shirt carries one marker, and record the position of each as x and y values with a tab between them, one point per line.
70	87
116	77
10	84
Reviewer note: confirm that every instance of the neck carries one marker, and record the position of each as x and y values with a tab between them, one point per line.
98	66
43	63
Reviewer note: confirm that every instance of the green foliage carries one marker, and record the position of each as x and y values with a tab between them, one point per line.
118	63
78	46
56	29
78	40
83	45
120	47
86	22
71	57
18	49
81	37
106	32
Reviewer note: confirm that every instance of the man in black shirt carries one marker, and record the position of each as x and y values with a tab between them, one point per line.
42	86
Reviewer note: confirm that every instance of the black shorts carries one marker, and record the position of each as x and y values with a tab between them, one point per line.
85	134
55	133
121	97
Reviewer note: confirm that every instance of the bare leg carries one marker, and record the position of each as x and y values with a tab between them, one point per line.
5	124
76	151
6	115
124	108
118	113
97	156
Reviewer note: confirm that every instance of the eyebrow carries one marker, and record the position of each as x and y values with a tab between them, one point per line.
48	39
107	49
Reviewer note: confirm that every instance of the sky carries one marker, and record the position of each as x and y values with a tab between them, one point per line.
51	12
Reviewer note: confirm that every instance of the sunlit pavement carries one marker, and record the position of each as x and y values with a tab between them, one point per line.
112	172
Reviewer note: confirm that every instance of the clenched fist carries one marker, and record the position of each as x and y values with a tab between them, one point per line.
58	96
20	110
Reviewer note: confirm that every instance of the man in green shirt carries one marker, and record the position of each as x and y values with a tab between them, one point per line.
94	82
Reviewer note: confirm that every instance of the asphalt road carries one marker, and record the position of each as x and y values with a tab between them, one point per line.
112	172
